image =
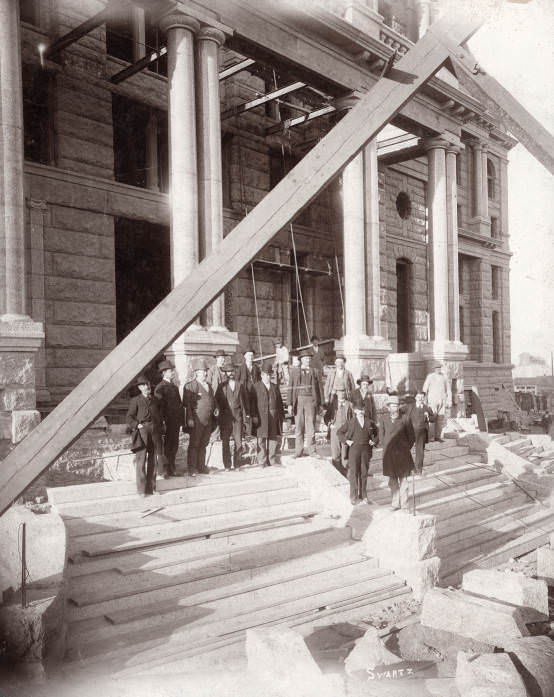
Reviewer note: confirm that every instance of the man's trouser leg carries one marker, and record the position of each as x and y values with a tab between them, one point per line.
403	488
354	457
171	445
395	492
364	468
225	429
309	431
237	437
140	469
421	437
204	439
272	444
300	427
336	446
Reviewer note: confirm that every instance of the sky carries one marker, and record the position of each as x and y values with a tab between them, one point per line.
516	47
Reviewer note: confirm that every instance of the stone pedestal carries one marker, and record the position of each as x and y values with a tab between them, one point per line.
199	342
406	371
19	342
366	354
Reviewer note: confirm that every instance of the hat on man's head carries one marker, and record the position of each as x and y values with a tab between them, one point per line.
248	349
165	365
339	356
364	378
142	380
278	340
315	340
199	364
267	367
393	399
436	364
220	352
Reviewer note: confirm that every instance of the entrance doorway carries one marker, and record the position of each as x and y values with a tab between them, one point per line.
142	271
403	314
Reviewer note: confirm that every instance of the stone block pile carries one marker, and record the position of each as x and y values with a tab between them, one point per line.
545	562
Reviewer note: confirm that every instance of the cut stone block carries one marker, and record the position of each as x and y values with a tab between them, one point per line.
119	466
545	565
481	619
421	576
534	659
446	643
489	675
23	422
410	538
369	652
509	587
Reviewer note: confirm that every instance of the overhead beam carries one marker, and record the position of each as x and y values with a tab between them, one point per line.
139	65
237	68
289	123
502	105
264	99
397	156
185	302
84	28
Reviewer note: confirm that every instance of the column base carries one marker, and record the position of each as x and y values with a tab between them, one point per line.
365	354
406	372
20	340
198	342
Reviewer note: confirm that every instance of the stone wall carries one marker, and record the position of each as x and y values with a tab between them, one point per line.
494	385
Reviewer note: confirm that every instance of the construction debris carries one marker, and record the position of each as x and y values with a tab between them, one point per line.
488	675
508	587
369	652
545	562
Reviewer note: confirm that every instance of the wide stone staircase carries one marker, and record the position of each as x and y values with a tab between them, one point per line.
484	517
155	582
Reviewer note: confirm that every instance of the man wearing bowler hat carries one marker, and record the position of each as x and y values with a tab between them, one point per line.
216	373
200	408
269	418
172	414
249	375
360	435
397	436
231	402
144	420
363	394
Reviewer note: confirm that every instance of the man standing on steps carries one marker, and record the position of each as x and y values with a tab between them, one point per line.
144	420
363	394
171	405
200	408
249	375
231	402
396	433
305	399
360	435
435	389
216	377
421	416
269	418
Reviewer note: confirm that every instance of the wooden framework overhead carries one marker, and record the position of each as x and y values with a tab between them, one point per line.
185	302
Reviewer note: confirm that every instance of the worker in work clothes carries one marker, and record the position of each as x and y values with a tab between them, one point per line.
396	433
339	412
435	389
171	405
231	402
421	416
305	399
249	375
144	420
269	418
200	409
360	435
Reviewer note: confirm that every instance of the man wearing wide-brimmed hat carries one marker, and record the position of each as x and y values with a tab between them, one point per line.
435	389
270	415
363	394
396	434
200	409
249	374
144	420
172	412
216	373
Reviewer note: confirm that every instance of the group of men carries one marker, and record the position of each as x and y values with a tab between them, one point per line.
228	402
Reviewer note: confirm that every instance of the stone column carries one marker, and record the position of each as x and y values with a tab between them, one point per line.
438	238
354	247
183	173
480	222
209	152
452	220
372	235
139	32
20	337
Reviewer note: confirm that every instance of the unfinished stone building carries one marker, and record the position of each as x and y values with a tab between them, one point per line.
402	259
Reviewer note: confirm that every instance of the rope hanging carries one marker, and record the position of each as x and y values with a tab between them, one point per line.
339	281
299	287
256	308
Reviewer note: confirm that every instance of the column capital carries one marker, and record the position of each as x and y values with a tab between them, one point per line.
453	149
436	143
37	204
177	20
477	144
208	33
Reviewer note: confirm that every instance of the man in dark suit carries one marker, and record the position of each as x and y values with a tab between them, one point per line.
360	435
172	413
249	375
270	415
231	402
363	394
421	416
305	398
144	420
396	433
200	408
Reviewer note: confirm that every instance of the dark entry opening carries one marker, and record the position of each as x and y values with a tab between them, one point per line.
403	273
142	271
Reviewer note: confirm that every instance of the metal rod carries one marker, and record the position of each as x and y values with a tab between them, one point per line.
23	565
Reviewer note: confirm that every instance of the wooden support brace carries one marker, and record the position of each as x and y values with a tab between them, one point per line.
288	123
139	65
185	302
237	68
264	99
84	28
502	105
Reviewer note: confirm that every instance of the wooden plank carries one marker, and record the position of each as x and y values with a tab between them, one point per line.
178	310
264	99
237	68
503	106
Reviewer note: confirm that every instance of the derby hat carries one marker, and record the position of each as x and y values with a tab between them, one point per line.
220	352
393	399
165	365
199	364
364	378
142	380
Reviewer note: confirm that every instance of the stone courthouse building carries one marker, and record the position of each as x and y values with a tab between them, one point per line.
127	178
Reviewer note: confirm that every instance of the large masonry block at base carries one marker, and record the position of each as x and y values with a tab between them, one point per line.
508	587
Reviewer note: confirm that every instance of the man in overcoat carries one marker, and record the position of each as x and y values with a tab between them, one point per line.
231	402
200	408
396	433
360	435
270	415
145	422
305	398
249	375
172	413
421	416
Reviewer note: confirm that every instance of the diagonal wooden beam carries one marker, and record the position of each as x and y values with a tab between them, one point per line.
185	302
502	105
139	65
264	99
289	123
237	68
